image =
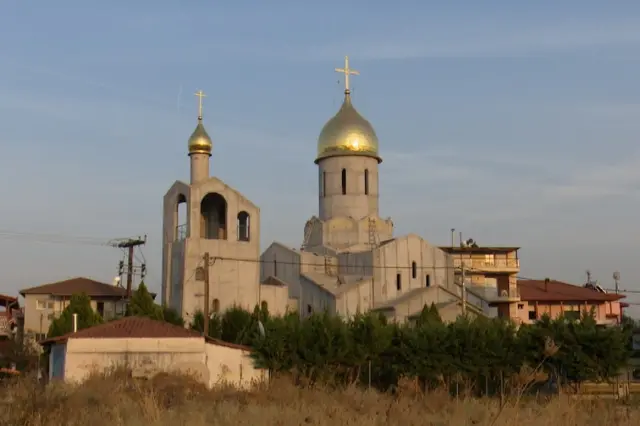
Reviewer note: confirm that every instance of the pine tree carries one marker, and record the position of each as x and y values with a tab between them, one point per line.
79	304
142	304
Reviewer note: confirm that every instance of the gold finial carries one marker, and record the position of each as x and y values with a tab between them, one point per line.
347	72
200	94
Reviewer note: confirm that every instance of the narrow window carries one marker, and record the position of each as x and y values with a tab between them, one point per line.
275	268
344	181
398	282
427	281
366	182
324	184
414	270
215	306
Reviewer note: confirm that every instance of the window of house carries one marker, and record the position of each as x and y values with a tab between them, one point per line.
344	181
520	305
489	259
398	282
414	270
572	315
533	315
42	305
427	281
309	309
100	308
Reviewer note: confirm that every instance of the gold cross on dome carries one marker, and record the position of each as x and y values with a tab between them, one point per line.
347	72
200	94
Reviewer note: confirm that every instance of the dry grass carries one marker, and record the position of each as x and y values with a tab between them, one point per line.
116	400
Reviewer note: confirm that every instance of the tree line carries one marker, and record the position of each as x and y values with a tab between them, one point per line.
482	355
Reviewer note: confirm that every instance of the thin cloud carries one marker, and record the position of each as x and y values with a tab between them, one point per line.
486	42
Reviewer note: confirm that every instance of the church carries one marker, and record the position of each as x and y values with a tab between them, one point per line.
349	262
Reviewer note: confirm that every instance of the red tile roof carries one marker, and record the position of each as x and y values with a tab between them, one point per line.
91	288
137	328
558	291
71	286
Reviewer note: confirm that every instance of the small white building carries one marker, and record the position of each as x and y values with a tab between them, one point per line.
147	347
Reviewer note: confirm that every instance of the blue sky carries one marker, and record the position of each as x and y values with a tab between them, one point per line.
513	122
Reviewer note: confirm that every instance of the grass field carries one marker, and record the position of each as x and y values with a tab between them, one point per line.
116	400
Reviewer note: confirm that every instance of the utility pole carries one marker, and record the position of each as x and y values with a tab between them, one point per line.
464	291
131	244
206	293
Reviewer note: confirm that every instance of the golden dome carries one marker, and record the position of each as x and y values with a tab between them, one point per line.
200	142
347	133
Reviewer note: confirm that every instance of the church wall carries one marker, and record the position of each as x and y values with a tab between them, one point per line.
276	298
396	258
177	275
355	300
234	276
281	262
355	203
414	305
314	299
359	264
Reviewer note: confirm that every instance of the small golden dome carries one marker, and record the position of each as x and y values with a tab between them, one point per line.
200	142
347	133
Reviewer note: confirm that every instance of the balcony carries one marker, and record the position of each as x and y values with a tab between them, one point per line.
505	296
508	266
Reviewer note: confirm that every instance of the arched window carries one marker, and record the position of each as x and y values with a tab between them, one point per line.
398	282
264	306
414	270
344	181
213	212
427	281
243	226
366	181
323	185
215	306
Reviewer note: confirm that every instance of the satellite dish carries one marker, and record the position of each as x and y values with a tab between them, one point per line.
116	281
616	275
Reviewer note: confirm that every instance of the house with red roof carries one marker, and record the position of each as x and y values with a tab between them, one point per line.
555	298
44	303
147	347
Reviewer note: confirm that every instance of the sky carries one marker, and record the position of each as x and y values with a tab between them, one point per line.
515	123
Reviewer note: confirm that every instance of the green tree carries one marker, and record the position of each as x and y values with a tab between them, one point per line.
79	304
171	316
141	304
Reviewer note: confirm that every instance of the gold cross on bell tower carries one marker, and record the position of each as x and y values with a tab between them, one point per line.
200	94
347	72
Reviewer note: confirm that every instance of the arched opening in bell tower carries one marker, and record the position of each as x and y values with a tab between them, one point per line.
213	212
181	218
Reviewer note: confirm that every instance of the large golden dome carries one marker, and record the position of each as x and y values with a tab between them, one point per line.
200	142
347	133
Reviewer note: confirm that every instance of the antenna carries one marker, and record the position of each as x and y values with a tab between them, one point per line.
588	272
616	280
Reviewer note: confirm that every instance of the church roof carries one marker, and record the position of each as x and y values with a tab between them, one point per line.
271	280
